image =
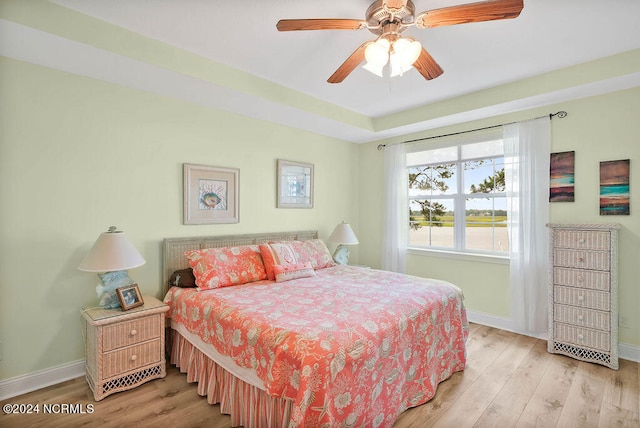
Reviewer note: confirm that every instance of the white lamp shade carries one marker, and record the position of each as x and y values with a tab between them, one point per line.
373	68
377	53
343	234
405	52
112	251
409	50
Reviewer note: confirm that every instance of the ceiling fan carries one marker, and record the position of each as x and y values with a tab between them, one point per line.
388	19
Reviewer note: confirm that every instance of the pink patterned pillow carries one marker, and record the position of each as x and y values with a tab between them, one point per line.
289	272
277	253
314	251
222	267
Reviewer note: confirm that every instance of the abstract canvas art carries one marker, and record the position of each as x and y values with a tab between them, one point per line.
561	178
614	187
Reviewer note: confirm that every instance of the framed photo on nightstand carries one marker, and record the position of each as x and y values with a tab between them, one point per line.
129	297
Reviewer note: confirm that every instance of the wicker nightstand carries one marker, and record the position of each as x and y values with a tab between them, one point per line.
124	349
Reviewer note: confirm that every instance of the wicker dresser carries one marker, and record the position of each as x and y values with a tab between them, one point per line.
124	349
583	292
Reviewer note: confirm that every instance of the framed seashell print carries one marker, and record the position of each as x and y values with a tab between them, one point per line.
210	194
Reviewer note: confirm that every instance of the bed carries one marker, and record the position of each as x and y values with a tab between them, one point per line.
314	344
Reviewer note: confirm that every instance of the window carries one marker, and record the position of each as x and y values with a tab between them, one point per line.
457	199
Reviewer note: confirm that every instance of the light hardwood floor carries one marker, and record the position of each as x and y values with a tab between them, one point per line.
510	381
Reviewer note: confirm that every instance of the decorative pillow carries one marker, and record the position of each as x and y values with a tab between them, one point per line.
294	252
277	253
314	251
289	272
223	267
183	278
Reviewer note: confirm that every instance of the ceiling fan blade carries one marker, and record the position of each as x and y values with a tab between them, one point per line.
349	65
320	24
395	4
471	12
427	66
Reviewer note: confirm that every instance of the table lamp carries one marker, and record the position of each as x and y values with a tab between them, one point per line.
342	235
112	254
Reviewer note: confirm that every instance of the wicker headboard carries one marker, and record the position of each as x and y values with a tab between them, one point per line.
174	248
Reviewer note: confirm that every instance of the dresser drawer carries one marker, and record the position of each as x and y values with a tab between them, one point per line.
127	333
582	259
582	239
130	358
582	317
582	297
593	279
594	339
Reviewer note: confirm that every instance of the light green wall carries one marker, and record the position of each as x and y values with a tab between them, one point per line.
599	128
72	25
78	155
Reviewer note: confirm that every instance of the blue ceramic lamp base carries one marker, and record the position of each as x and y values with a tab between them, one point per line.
341	255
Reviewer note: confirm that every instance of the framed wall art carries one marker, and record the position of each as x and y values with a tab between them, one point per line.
561	177
295	184
210	194
614	187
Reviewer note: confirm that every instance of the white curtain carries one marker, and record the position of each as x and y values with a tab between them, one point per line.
526	151
396	209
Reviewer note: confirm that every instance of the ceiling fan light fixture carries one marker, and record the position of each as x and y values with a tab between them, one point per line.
408	50
377	53
398	67
374	68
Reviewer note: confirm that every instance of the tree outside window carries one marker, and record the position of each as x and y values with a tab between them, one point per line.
458	204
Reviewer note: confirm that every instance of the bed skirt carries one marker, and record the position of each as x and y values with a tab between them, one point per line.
247	405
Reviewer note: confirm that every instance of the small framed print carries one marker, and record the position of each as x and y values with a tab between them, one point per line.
210	194
129	297
295	184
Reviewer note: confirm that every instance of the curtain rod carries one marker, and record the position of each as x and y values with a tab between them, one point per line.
561	114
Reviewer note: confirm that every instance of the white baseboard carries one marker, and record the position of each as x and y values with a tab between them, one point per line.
629	352
41	379
626	351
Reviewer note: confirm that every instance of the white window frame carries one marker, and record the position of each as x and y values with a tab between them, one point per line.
459	199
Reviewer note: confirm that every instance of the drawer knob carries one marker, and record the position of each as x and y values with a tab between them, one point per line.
581	240
134	332
580	337
580	279
580	298
580	318
581	259
134	357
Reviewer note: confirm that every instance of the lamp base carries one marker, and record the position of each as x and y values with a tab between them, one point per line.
107	290
341	255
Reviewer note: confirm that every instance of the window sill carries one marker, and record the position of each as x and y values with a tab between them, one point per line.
471	257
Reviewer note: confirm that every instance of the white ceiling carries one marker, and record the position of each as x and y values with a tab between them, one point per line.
548	35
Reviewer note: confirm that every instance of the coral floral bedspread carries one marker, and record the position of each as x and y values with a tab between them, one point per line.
350	346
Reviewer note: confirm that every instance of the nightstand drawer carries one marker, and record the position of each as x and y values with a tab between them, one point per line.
582	297
579	317
593	279
582	239
582	259
130	358
130	332
582	336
